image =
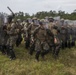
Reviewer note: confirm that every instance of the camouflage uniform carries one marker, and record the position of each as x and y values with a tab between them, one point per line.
68	35
73	35
57	41
41	43
56	32
63	34
11	33
19	35
31	29
27	34
4	39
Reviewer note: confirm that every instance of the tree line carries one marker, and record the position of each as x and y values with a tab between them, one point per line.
43	14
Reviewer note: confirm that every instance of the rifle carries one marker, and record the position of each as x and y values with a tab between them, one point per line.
10	17
11	11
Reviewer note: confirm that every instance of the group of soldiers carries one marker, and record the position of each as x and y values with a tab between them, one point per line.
40	36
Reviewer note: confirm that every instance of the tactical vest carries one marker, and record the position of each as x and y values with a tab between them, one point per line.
41	34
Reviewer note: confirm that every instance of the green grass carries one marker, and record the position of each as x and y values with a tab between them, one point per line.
26	64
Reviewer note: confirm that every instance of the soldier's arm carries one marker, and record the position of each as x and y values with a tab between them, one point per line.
35	31
49	32
29	27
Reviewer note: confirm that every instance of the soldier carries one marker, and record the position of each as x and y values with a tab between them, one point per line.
19	36
68	35
3	37
73	35
27	33
56	32
1	27
31	28
40	36
57	41
11	34
63	34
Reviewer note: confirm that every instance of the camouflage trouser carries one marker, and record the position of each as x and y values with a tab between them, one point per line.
10	45
11	40
3	44
40	45
41	48
73	40
56	50
74	37
64	42
4	40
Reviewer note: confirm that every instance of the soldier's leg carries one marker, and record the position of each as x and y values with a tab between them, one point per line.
43	53
12	54
7	50
57	50
69	44
46	49
18	41
3	46
38	49
63	45
0	47
0	44
73	43
32	48
7	47
53	49
11	47
66	44
3	49
27	43
37	55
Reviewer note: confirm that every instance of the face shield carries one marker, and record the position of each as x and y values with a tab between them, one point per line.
45	25
36	22
29	20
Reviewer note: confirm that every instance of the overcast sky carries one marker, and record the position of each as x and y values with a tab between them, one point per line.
33	6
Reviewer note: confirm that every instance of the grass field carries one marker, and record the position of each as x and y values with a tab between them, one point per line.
26	64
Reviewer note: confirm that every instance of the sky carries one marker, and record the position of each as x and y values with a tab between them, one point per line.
33	6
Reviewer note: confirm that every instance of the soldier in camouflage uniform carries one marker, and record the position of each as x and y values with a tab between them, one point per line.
40	35
73	35
27	33
1	27
19	36
31	28
68	35
11	34
57	41
4	39
63	34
